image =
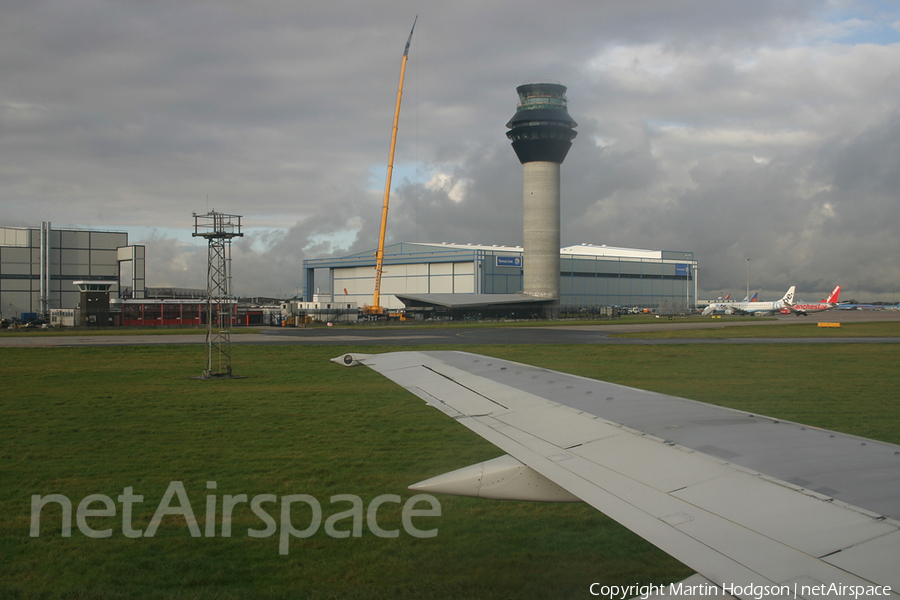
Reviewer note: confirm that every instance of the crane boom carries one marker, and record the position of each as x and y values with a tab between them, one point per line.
379	254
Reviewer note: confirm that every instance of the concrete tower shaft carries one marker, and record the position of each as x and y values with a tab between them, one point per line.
541	132
540	276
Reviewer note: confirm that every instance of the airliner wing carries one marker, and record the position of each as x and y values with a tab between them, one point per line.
743	499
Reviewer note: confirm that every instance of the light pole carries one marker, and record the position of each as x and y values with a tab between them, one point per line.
748	278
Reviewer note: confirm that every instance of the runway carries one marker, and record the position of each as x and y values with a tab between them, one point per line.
366	335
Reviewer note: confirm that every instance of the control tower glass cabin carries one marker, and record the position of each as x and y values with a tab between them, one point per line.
541	129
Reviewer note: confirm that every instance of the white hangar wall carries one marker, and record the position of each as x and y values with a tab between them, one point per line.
357	284
590	275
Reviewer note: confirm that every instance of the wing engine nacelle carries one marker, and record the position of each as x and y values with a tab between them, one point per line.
350	360
503	478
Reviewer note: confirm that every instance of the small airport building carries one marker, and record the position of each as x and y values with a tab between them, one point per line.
86	277
447	276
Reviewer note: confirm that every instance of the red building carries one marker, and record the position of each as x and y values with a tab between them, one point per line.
147	312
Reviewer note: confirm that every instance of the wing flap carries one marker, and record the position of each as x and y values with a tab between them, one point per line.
875	560
784	514
466	402
615	495
503	395
714	545
573	432
652	464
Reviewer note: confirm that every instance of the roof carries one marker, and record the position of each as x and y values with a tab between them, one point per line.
604	250
412	248
455	246
467	300
452	252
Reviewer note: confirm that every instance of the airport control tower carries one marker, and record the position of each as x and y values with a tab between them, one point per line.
541	132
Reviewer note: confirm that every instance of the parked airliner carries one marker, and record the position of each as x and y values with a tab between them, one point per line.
805	308
751	308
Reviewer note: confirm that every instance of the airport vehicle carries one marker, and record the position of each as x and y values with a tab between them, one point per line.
757	506
751	307
804	308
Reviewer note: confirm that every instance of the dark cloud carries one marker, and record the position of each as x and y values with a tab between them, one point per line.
733	129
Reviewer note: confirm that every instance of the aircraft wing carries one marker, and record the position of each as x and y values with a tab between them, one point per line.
743	499
744	312
760	313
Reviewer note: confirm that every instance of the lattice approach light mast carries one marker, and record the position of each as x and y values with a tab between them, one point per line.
218	229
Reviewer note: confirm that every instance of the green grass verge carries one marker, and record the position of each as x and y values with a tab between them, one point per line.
93	331
781	330
81	421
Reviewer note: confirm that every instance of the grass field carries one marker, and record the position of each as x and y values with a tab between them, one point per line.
780	330
83	421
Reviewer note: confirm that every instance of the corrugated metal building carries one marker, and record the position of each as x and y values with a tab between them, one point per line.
590	275
38	266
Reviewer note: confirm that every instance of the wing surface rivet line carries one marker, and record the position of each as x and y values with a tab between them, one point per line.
476	392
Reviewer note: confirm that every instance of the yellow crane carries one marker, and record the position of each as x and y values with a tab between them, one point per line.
376	308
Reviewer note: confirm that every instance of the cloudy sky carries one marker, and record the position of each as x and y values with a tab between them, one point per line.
733	129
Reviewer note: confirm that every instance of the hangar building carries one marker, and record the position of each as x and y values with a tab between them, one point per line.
40	265
446	274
